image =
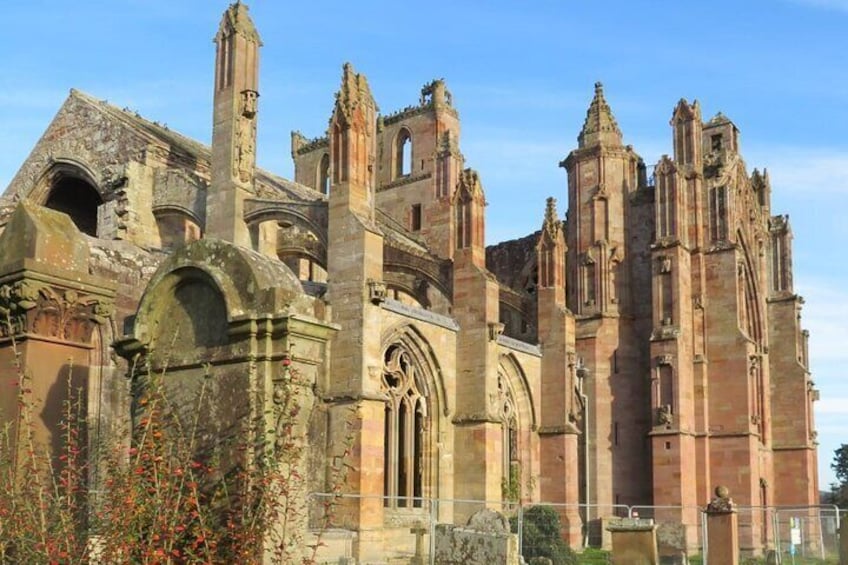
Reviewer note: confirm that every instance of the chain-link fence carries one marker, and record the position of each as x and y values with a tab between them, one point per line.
809	532
783	534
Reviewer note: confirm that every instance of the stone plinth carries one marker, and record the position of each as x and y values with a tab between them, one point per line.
634	542
722	530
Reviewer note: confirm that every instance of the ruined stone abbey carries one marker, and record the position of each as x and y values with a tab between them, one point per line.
642	349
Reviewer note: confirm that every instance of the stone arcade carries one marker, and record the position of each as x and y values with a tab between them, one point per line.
641	352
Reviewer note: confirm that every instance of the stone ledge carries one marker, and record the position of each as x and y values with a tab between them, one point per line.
420	314
404	180
519	345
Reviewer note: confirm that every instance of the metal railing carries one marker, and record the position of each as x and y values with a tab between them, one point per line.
412	527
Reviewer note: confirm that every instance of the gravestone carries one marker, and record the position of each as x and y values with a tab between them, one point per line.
227	334
634	542
484	540
671	543
54	322
722	530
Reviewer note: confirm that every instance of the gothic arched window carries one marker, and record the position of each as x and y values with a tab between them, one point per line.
324	174
405	424
511	458
403	147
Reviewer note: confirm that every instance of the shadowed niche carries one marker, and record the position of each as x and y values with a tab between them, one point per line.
193	314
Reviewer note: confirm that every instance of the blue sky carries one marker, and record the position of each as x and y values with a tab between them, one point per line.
521	74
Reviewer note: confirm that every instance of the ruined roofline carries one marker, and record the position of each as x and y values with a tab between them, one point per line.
158	133
433	94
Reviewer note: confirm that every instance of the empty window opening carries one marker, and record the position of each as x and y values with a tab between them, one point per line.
615	433
715	142
415	218
404	153
79	200
324	174
667	445
718	213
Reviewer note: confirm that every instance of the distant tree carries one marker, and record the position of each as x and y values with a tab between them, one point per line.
839	489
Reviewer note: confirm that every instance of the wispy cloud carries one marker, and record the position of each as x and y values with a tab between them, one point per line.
826	315
804	170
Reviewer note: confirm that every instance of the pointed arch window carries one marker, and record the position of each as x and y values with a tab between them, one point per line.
406	421
403	155
509	426
324	175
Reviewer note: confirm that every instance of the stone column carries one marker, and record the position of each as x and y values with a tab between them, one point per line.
722	530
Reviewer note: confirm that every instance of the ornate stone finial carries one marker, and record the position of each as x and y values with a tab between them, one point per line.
685	111
722	503
469	186
353	92
600	126
552	223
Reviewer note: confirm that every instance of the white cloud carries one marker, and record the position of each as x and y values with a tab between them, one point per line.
804	170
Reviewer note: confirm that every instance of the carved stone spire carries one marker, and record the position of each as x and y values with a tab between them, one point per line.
552	225
600	127
353	93
550	250
687	127
469	204
353	144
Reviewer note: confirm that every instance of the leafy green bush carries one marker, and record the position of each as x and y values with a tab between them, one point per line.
541	537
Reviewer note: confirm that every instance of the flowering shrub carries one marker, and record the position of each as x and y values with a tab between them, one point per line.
159	500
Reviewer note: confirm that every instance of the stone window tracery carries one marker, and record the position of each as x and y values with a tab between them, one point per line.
406	421
509	419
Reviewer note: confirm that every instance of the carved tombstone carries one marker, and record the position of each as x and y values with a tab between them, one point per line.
226	335
53	316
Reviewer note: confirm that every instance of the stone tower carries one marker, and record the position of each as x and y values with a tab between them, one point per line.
355	272
606	292
678	358
234	126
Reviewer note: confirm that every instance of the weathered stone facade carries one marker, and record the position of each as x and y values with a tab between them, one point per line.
640	352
